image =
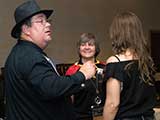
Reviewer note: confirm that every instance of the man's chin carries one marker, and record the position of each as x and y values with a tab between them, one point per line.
49	39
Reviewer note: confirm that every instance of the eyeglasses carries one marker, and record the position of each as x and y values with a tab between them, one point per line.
43	21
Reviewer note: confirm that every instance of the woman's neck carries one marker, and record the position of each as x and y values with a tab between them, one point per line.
84	60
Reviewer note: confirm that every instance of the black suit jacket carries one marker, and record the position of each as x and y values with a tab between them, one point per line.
33	89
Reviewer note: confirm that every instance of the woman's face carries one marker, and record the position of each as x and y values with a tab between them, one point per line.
87	50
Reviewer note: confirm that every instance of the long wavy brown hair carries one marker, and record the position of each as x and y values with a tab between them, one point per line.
126	32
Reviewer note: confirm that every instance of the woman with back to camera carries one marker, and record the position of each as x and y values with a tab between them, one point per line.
130	89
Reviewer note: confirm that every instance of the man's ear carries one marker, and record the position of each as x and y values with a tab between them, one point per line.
25	29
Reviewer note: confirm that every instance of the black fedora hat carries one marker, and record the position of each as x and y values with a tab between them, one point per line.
25	11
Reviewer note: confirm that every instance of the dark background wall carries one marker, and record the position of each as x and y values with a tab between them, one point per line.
73	17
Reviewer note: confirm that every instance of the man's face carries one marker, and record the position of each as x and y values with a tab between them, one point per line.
40	30
87	49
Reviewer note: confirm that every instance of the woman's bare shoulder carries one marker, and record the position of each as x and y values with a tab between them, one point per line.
111	59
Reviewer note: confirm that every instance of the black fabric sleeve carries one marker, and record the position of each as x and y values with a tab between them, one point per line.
43	79
114	70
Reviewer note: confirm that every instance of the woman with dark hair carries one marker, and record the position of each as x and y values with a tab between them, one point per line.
90	100
130	89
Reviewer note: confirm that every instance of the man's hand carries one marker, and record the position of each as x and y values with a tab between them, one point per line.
88	69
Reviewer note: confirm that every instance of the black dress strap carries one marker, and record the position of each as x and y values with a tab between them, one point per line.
117	58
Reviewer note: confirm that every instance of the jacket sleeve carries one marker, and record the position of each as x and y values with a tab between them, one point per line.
44	80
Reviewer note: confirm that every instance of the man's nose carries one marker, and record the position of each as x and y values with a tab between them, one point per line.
48	23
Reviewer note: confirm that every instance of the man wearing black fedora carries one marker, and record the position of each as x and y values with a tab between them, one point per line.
34	89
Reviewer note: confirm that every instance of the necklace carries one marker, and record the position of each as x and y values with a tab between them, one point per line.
98	75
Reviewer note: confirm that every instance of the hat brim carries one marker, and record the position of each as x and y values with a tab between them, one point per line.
16	29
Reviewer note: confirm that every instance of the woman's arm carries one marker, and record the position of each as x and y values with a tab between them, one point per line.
112	99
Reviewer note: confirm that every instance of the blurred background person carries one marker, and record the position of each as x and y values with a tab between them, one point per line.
89	102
